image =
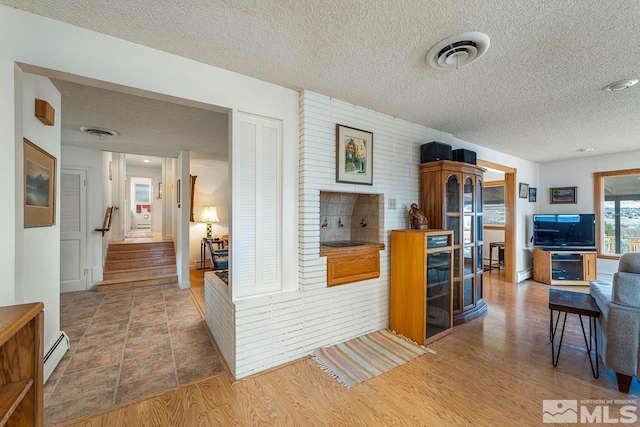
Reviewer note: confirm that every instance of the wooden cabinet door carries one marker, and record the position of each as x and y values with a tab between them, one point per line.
589	264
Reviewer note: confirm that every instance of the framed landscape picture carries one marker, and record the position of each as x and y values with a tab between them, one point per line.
564	195
533	192
39	186
354	155
523	190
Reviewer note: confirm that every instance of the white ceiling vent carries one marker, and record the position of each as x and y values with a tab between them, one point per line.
98	131
457	51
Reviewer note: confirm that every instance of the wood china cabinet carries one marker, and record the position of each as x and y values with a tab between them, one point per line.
451	198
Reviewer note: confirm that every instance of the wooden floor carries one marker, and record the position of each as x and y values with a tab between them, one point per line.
492	371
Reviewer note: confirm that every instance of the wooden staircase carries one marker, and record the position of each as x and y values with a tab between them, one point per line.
135	265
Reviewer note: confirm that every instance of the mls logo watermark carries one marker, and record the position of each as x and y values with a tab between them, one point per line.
560	411
589	411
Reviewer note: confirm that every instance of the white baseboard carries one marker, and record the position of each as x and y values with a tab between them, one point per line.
55	354
524	275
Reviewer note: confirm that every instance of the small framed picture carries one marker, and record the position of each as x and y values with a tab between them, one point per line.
564	195
524	190
354	155
178	192
532	194
39	186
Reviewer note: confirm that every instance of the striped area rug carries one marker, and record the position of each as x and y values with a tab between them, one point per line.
368	356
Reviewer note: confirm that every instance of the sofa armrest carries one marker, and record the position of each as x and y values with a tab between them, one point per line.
626	289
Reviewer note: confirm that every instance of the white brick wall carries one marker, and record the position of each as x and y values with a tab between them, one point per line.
274	329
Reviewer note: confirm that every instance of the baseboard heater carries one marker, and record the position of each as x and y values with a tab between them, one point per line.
55	354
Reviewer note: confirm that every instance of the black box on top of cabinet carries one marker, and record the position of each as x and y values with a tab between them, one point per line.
464	156
434	151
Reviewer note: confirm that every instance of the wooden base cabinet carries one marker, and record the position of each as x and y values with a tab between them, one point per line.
421	277
564	267
451	198
21	365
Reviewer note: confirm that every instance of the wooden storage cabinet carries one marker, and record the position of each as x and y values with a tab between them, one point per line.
421	277
451	198
352	264
564	267
21	365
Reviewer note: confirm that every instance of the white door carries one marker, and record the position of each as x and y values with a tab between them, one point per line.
73	230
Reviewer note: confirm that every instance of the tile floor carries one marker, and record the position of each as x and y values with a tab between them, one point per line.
126	345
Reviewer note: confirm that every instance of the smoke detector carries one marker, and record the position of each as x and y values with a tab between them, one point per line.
99	131
457	51
621	85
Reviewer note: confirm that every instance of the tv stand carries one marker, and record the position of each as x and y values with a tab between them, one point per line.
564	267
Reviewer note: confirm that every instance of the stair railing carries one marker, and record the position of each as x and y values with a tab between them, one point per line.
106	224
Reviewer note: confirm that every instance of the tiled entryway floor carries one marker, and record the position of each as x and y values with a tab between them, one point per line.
126	345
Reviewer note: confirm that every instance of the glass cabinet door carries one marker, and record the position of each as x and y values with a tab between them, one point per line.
453	194
468	195
467	229
438	293
479	196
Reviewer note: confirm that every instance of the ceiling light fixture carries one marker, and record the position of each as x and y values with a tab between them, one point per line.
99	131
457	51
621	85
147	161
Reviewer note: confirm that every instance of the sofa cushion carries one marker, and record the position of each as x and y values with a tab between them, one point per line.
629	263
601	293
626	289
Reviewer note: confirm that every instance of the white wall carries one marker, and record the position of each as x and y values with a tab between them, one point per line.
579	173
182	221
41	245
155	175
212	188
272	330
89	160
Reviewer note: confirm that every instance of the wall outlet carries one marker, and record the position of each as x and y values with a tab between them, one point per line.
392	203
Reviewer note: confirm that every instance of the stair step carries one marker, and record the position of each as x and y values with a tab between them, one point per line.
136	282
126	264
144	272
140	254
119	246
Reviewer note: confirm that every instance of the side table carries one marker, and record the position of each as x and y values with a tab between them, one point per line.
576	303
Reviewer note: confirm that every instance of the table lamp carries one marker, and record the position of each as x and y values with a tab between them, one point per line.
209	216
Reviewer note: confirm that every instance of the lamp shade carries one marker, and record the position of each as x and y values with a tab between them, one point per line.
209	214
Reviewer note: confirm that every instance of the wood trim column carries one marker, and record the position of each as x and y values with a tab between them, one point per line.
510	225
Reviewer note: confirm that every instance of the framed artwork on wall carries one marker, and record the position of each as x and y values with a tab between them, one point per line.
532	194
39	186
564	195
524	190
178	193
354	155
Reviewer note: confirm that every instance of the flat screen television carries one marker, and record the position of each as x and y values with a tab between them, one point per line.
577	230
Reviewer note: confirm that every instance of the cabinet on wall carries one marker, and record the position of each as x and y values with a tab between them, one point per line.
451	198
21	360
564	267
421	275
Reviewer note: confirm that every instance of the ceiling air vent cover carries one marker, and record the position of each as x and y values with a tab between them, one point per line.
98	131
457	51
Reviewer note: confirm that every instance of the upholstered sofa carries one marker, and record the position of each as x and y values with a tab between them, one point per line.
619	323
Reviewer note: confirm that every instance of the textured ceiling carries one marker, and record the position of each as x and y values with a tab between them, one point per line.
137	161
145	126
535	94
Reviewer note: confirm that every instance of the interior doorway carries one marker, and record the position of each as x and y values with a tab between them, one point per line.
509	227
143	197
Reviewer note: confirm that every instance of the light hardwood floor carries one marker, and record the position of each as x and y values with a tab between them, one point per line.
492	371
